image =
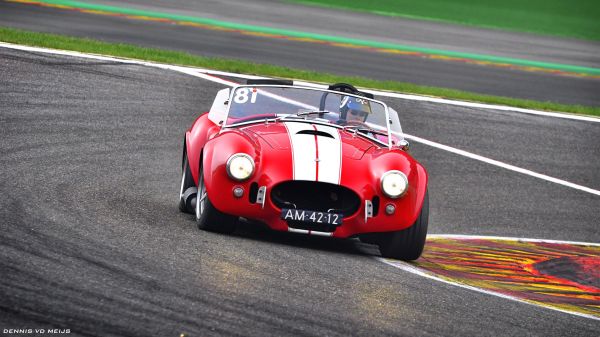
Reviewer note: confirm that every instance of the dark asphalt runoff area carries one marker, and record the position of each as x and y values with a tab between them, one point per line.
342	61
91	239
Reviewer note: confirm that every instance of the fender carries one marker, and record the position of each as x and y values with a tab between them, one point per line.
411	202
214	158
195	139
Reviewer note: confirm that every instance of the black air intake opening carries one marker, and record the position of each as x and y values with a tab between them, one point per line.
375	202
253	193
315	196
314	132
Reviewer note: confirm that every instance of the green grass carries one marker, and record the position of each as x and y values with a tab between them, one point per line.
180	58
574	18
321	37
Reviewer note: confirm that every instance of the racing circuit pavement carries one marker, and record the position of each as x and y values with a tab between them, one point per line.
439	72
91	239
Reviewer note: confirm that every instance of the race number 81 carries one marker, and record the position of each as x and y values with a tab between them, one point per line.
241	96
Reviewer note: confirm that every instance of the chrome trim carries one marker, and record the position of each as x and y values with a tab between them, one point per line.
368	210
299	231
290	203
240	190
260	196
390	209
181	188
307	232
321	233
404	145
393	172
235	155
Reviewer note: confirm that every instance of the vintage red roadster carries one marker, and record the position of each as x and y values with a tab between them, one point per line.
329	162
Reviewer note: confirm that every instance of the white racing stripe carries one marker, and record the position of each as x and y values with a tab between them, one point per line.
304	151
206	74
315	158
330	155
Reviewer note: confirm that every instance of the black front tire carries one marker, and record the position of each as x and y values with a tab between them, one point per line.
207	216
407	244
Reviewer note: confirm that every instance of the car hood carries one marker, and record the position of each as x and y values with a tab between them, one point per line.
313	140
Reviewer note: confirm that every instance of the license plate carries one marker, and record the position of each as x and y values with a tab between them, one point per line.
311	216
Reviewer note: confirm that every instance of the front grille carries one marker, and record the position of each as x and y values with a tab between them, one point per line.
315	196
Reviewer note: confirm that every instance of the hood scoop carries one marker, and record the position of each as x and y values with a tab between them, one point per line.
315	133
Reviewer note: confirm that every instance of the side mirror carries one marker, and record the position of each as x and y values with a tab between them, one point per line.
404	145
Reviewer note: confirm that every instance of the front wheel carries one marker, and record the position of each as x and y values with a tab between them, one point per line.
407	244
207	216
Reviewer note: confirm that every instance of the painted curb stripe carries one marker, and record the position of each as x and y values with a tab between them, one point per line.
424	270
405	266
318	37
507	238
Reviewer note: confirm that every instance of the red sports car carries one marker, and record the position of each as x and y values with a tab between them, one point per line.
305	160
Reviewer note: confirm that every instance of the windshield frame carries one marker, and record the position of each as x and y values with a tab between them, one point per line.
300	119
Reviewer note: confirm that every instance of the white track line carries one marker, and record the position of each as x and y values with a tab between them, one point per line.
211	75
405	266
375	92
501	164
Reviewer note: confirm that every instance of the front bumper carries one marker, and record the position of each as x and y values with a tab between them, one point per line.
368	216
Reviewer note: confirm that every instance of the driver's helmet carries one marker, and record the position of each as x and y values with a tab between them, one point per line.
358	107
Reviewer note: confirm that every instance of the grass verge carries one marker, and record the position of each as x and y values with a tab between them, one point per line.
238	66
575	18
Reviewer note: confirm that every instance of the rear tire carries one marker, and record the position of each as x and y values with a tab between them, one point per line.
207	216
407	244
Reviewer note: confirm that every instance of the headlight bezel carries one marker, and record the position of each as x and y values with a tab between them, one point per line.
230	161
389	173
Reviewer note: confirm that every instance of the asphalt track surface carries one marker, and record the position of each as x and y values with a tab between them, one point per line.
91	239
342	61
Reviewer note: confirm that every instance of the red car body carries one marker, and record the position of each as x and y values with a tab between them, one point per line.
322	164
362	165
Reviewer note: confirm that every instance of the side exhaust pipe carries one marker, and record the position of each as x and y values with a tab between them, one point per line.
189	197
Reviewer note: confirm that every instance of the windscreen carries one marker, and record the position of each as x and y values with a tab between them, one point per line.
248	103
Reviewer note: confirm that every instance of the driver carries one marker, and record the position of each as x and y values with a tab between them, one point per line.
354	109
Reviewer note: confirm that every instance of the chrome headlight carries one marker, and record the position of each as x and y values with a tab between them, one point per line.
240	166
394	183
